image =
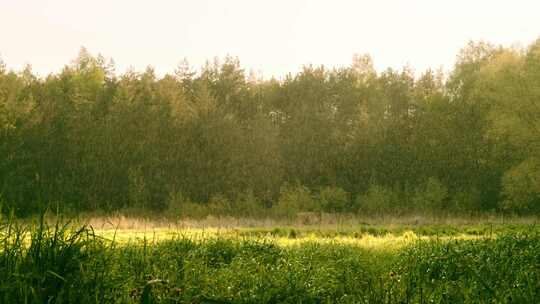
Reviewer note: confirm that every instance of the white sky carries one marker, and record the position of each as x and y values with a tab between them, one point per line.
274	36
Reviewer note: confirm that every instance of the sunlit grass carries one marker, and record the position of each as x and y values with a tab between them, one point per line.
388	241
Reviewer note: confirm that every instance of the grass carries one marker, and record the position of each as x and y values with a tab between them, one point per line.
326	221
59	262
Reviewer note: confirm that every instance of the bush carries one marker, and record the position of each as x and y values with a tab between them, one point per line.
248	206
181	206
431	196
334	199
521	186
469	200
219	205
294	200
378	200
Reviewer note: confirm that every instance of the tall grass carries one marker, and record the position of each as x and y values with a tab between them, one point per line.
68	263
502	270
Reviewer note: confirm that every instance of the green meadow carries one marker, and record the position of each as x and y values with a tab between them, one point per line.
55	261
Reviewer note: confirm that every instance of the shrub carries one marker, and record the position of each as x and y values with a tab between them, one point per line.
294	200
181	206
334	199
219	205
248	206
430	197
468	200
377	200
521	186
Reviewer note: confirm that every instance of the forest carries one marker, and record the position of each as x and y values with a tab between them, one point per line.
219	140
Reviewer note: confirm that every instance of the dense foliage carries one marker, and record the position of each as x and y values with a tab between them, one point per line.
42	264
341	140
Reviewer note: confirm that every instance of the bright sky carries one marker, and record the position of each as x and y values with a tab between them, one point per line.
271	36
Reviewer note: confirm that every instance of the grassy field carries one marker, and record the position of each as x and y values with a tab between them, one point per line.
149	261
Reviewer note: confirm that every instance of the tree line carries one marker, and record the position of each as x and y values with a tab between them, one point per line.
347	139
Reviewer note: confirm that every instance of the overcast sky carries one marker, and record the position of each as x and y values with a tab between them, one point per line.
274	36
